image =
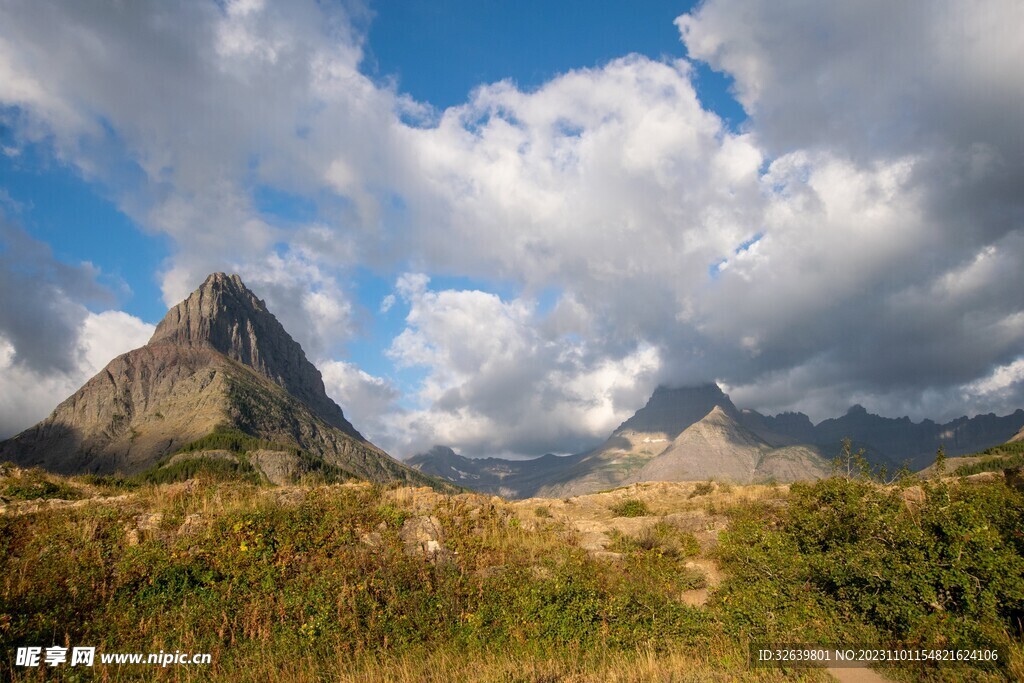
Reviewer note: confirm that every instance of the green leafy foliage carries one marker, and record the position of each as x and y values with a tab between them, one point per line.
991	464
850	561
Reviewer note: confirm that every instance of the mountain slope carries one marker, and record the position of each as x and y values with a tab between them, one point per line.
218	361
1019	436
719	447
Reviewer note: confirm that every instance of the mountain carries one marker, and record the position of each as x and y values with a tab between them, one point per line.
781	429
697	432
683	433
719	447
508	478
670	411
645	435
1019	436
219	369
899	440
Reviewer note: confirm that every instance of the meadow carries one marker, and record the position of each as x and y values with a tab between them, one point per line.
356	582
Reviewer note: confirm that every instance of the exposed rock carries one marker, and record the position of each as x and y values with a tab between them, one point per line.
984	477
192	524
671	411
423	536
144	524
279	467
225	316
218	360
718	447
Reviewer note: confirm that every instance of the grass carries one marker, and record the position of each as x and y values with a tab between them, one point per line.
36	484
702	489
314	583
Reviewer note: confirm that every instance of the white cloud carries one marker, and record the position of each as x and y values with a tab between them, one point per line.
106	335
497	384
879	173
31	393
368	401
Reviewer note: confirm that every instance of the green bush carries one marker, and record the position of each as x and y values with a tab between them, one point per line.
992	464
850	561
211	468
631	507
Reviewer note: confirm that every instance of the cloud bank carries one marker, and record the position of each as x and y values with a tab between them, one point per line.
858	240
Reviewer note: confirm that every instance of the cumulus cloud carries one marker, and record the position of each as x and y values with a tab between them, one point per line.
50	342
187	112
859	239
370	403
499	382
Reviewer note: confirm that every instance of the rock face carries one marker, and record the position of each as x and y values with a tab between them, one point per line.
218	361
225	316
670	411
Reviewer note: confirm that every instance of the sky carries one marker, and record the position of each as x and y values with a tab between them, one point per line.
498	226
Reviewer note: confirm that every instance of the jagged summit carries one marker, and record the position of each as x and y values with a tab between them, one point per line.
225	315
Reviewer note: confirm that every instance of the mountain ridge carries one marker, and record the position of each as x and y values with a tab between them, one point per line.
790	446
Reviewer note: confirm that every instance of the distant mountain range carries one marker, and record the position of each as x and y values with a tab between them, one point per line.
219	369
696	433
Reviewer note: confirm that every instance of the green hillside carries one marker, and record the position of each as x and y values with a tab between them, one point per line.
363	583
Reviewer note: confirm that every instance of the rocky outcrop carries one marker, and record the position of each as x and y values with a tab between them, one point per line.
225	316
219	361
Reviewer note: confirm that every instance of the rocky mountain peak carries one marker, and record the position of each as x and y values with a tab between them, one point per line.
225	315
672	410
217	314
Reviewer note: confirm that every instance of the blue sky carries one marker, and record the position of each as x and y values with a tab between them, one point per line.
563	204
437	52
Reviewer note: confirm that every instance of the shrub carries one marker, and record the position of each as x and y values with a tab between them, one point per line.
702	489
849	561
631	507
